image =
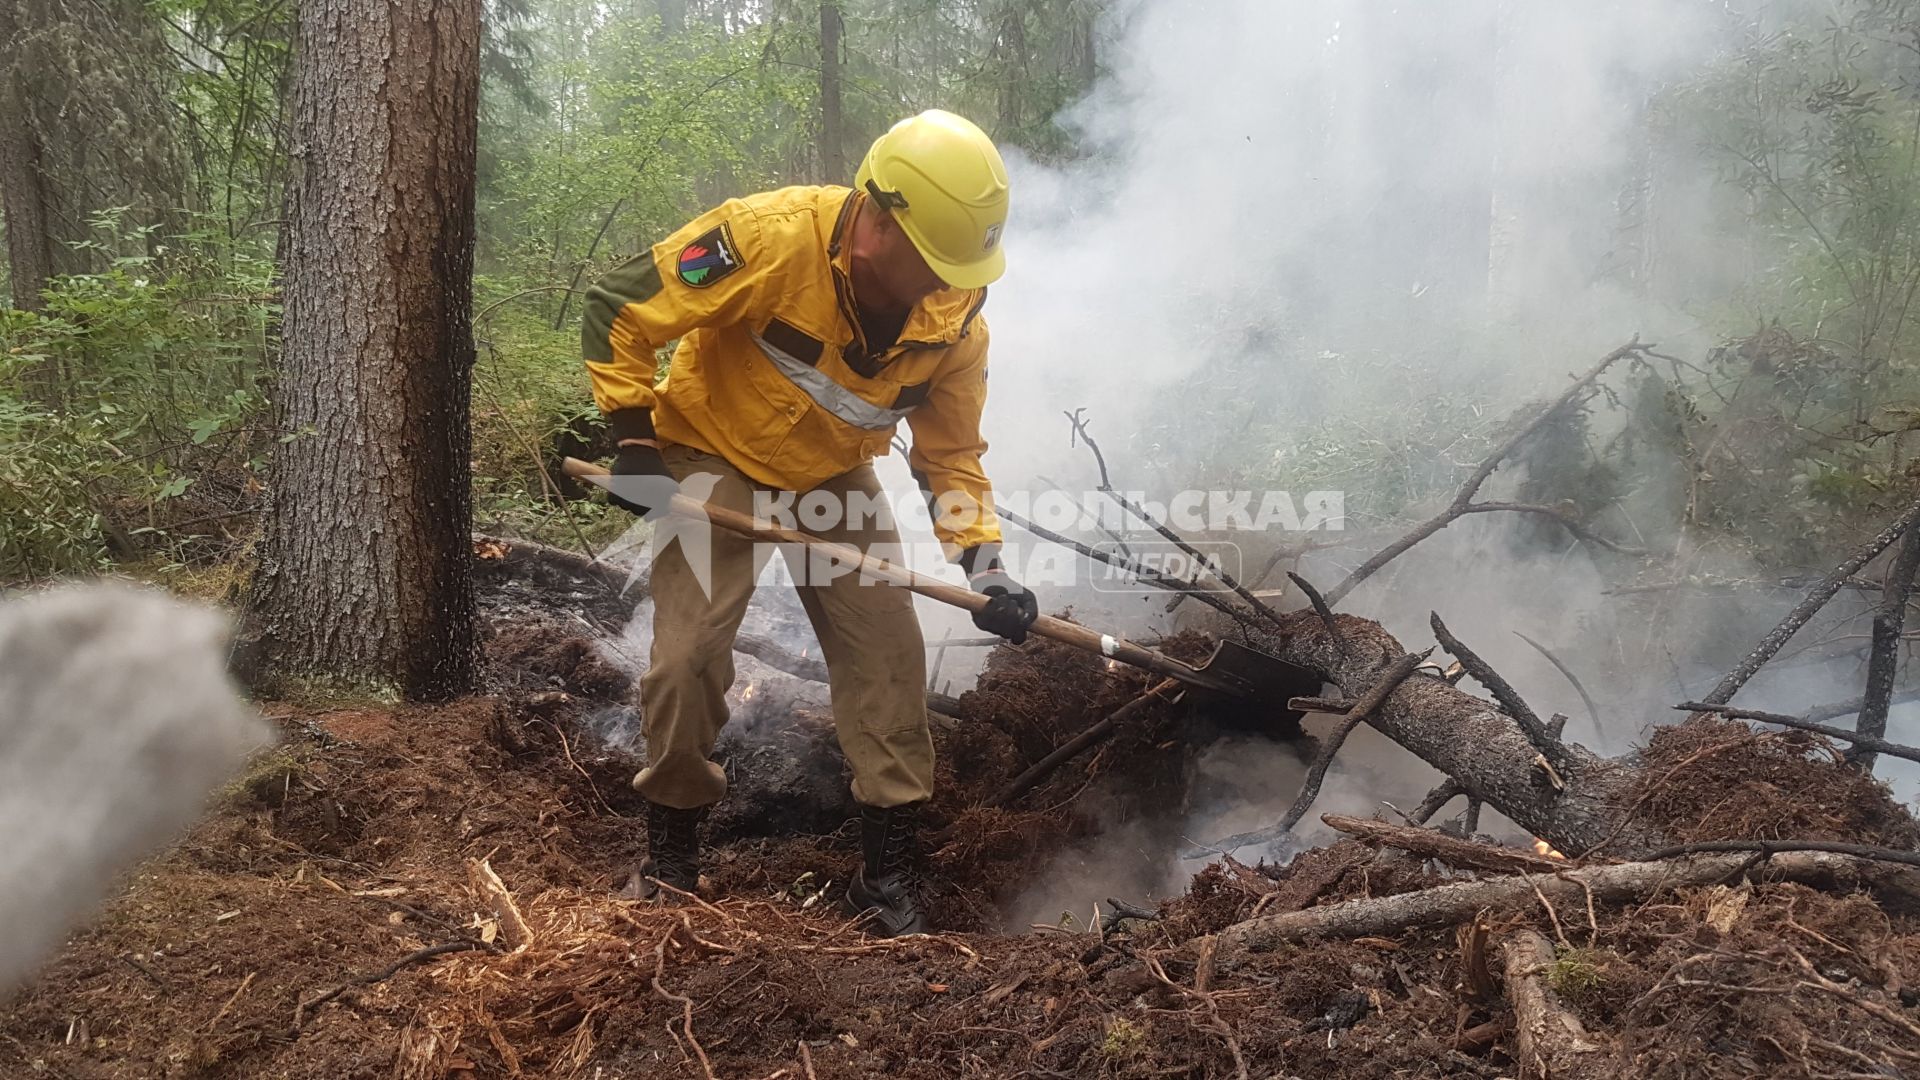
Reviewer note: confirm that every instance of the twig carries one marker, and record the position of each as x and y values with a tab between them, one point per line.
1883	661
1807	607
1080	431
304	1011
1321	609
1099	731
1567	521
1106	487
1370	701
686	1003
1463	498
1774	847
1119	911
1835	710
1220	1027
1440	796
1820	982
566	749
1144	573
1553	916
1336	706
1877	745
1593	711
1470	821
1503	692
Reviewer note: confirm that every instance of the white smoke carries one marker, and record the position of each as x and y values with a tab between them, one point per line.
116	720
1336	217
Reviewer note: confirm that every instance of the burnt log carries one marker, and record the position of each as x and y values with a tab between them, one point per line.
1470	739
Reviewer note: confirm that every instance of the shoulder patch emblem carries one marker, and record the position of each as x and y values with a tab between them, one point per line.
710	257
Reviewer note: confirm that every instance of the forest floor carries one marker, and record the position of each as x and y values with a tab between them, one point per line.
265	943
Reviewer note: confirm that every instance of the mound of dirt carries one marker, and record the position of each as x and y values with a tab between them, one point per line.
1711	779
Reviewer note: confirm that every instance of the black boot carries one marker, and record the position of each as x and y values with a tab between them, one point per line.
888	883
673	853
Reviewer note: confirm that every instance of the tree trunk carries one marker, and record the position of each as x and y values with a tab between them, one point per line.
366	562
1469	739
23	194
23	200
833	140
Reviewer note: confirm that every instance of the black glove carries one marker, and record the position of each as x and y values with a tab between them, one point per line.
640	481
1011	608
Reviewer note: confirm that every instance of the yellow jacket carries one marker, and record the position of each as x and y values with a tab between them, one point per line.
772	372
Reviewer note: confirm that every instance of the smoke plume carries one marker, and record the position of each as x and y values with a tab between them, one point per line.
116	720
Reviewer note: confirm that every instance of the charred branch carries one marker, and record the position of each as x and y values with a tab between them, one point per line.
1883	662
1593	711
1144	573
1446	792
1320	608
1365	707
1807	607
1775	847
1502	691
1567	521
1837	709
1866	742
1463	503
1079	423
1453	850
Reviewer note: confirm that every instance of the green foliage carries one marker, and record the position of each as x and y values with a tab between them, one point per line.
116	402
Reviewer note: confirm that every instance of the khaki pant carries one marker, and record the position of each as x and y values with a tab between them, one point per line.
876	660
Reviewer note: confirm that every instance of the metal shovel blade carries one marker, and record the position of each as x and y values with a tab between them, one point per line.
1259	676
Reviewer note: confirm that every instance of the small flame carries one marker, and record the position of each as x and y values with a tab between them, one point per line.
747	694
1542	847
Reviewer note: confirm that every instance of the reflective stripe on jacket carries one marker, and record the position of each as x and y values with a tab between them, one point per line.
772	372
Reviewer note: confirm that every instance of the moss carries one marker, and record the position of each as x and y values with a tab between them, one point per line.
1576	974
1125	1040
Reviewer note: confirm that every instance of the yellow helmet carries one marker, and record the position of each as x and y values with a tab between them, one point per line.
947	187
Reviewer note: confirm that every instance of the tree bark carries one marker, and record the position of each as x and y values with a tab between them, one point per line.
1883	663
1550	1043
366	563
1467	738
1449	905
833	139
23	196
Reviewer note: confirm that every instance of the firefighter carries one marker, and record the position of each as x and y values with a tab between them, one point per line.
810	321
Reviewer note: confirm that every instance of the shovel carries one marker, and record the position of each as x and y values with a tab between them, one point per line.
1233	671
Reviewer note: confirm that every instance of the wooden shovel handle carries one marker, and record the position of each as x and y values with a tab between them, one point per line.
1047	626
